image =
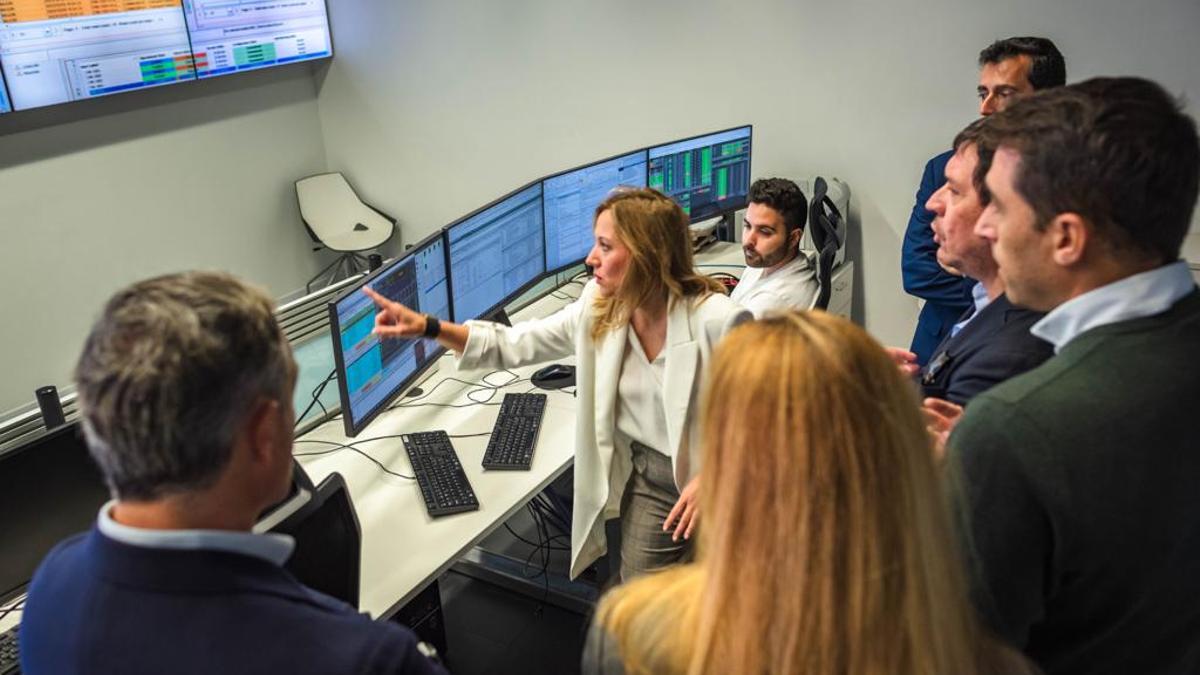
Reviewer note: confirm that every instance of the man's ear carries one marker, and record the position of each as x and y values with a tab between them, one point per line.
262	430
1070	236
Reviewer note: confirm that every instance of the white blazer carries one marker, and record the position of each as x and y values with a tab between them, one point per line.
600	472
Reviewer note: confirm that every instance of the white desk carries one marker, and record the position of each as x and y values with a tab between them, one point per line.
403	549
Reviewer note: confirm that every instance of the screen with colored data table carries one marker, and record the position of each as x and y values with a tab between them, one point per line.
570	200
371	372
707	175
233	35
56	51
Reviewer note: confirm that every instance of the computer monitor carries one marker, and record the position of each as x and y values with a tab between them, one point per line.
371	372
569	201
4	104
49	489
232	37
496	253
56	52
707	175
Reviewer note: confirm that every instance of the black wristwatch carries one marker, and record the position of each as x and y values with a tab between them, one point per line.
432	326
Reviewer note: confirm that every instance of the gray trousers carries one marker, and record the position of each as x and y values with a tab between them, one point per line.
649	496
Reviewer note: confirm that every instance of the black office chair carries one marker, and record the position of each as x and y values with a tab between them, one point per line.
828	229
328	541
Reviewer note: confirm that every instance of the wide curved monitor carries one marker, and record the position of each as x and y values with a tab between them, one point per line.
707	175
372	372
496	253
569	201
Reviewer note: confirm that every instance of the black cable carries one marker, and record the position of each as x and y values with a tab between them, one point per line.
320	389
17	606
350	446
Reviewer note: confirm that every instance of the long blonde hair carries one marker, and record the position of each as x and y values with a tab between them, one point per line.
825	545
654	229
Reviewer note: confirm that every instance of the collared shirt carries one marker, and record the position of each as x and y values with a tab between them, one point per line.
641	416
979	293
1140	295
793	286
273	548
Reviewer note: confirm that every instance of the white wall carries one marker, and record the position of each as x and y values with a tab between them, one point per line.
89	206
436	107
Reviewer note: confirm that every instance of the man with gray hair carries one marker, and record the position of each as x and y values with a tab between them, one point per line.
185	387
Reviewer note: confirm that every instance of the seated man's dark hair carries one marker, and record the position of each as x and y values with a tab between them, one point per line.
785	197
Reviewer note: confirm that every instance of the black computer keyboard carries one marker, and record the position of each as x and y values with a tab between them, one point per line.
439	474
10	657
516	432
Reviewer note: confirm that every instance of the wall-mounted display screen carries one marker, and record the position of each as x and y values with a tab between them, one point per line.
234	35
54	51
58	51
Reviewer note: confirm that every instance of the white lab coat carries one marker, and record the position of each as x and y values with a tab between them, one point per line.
793	286
600	472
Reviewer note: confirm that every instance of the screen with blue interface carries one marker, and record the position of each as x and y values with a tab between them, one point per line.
4	106
54	51
234	35
495	253
371	371
707	175
570	200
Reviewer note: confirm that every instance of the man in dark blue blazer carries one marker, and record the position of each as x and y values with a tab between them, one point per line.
991	341
185	388
1008	69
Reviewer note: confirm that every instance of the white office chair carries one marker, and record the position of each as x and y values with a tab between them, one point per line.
338	220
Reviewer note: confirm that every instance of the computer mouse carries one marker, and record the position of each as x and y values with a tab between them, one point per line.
554	376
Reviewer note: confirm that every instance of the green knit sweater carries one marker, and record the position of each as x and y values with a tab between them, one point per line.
1076	490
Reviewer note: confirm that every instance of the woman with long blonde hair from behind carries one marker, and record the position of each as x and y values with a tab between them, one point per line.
826	546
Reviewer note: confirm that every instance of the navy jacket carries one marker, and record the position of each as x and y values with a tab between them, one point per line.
101	607
946	296
993	347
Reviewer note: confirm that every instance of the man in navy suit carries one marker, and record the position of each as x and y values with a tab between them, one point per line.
185	388
1009	69
990	342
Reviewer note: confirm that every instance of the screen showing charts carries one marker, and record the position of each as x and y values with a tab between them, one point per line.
708	175
372	371
570	200
496	252
55	51
234	35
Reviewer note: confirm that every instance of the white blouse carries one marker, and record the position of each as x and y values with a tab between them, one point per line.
640	413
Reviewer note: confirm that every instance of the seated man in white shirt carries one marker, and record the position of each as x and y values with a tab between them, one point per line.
777	276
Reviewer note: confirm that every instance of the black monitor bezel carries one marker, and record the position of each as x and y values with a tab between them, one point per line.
537	278
546	261
74	428
351	427
725	211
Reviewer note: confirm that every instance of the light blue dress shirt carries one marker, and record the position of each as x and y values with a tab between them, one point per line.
979	293
273	548
1134	297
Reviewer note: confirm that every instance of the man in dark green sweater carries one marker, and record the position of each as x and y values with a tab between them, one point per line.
1077	484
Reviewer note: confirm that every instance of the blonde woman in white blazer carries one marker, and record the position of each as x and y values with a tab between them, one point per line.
642	333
